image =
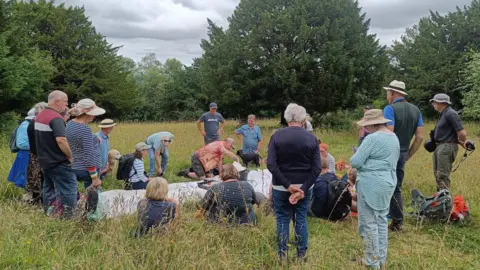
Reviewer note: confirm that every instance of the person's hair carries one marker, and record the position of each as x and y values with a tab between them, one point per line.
324	162
251	116
354	175
229	172
319	141
295	113
138	154
157	189
39	107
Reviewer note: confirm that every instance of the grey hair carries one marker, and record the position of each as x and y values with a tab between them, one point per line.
39	107
295	113
251	116
55	95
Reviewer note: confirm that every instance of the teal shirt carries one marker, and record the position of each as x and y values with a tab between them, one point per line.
154	139
376	163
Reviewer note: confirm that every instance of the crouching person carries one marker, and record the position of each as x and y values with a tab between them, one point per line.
156	210
231	199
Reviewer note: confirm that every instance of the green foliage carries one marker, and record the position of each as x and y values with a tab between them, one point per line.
471	100
431	56
275	52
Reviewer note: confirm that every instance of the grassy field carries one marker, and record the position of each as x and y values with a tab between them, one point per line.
29	240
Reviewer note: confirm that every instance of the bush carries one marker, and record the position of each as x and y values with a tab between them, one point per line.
10	121
339	120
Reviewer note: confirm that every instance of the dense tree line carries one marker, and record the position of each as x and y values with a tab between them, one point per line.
316	53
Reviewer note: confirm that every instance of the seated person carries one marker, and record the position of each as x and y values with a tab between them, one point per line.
352	179
156	210
210	157
330	159
318	205
139	178
231	199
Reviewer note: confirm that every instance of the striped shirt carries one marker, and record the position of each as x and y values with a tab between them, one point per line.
376	163
85	146
139	168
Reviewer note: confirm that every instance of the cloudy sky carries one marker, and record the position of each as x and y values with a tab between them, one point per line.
173	28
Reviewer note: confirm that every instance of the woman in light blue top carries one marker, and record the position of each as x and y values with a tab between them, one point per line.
376	162
18	172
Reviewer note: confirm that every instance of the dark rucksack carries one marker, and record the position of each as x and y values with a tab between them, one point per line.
435	208
339	200
125	165
13	141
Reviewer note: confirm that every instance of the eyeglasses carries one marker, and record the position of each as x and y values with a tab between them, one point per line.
169	141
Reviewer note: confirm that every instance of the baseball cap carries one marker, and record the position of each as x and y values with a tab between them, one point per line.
142	146
232	141
213	105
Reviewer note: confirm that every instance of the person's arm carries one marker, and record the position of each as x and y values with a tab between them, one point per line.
87	144
64	146
58	129
316	167
363	152
273	167
456	123
222	125
220	166
239	133
199	125
389	114
230	154
158	161
417	143
260	139
140	169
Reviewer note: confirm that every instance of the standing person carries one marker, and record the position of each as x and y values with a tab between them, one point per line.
326	155
55	156
210	157
363	131
34	173
159	143
376	161
211	124
448	133
18	172
106	127
294	161
406	121
252	136
84	144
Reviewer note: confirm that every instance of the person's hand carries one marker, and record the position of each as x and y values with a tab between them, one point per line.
219	131
256	151
203	133
292	189
70	159
295	197
96	183
160	171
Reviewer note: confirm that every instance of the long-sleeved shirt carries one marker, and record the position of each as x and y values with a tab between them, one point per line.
31	137
22	136
293	158
138	171
104	148
84	145
376	163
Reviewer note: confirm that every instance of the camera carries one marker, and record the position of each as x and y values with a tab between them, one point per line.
470	146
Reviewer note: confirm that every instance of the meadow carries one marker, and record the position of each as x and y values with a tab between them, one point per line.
29	240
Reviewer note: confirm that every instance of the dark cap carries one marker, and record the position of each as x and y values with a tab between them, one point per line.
213	105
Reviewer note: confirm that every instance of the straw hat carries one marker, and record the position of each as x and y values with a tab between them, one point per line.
86	106
373	117
107	123
396	86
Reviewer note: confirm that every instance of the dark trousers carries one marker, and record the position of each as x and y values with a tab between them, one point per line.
396	203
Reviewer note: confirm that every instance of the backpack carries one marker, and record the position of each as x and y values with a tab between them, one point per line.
125	165
437	207
13	141
339	200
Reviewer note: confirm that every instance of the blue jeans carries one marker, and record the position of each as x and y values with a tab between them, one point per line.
139	185
396	203
60	181
284	211
153	164
373	228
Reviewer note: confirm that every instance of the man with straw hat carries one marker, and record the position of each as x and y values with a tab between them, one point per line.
376	161
106	127
406	121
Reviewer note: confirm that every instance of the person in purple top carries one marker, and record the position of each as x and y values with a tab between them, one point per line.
294	161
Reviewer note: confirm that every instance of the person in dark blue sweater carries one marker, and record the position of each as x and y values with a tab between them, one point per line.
318	205
294	161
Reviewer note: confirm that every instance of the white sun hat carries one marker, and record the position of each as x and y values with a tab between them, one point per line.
397	86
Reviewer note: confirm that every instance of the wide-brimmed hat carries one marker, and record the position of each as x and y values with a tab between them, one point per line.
86	106
30	114
397	86
107	123
373	117
441	98
142	146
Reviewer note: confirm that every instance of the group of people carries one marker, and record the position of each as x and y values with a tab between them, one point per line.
58	154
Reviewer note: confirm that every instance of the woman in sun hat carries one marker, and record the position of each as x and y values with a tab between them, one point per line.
106	127
18	172
376	162
84	144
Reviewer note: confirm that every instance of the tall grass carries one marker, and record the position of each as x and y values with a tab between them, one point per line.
29	240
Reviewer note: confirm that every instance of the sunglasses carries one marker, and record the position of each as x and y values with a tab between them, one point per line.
169	141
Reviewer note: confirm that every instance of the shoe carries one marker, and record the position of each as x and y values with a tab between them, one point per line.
395	227
182	173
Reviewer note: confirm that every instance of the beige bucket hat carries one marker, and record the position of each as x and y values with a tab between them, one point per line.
373	117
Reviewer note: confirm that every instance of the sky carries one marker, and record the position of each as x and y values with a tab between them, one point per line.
174	28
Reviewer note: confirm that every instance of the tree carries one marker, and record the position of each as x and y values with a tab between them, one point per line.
471	99
316	53
431	56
